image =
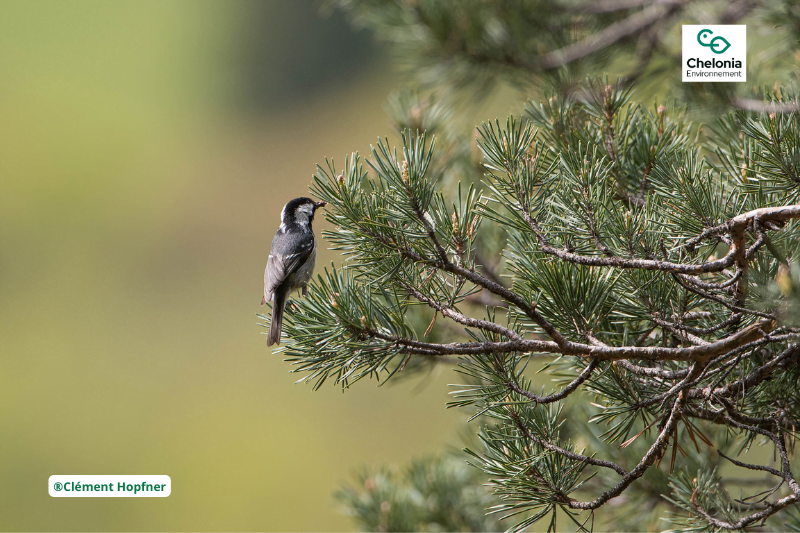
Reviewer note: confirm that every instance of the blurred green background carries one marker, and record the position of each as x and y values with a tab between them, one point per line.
146	149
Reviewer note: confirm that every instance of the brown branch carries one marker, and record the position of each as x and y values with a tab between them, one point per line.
752	466
461	348
780	444
719	300
563	393
610	35
652	372
654	453
694	375
564	346
735	226
602	353
735	11
789	356
711	329
609	6
452	314
785	474
547	445
440	251
763	373
444	263
713	286
743	522
495	288
681	333
765	107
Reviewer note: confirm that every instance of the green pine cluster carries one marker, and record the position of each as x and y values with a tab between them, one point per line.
432	494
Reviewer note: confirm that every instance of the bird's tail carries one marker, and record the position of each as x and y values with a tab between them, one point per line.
278	302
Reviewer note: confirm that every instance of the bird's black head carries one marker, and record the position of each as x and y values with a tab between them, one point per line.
300	211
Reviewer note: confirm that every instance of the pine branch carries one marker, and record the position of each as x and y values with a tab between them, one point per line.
735	227
655	453
611	221
608	6
635	23
759	106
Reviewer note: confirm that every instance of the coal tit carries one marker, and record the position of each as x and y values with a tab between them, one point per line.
291	259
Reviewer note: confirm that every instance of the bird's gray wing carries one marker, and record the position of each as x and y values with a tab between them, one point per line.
284	260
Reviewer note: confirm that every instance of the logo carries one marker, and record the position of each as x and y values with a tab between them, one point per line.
109	486
718	44
715	53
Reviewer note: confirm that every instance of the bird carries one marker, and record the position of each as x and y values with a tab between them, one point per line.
291	259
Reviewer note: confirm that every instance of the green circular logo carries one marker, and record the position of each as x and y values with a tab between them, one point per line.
717	45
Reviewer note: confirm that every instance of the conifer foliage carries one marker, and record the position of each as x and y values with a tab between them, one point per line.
659	275
647	265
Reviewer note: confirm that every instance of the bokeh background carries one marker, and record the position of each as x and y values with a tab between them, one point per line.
146	149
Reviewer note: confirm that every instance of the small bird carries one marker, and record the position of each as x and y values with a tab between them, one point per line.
291	259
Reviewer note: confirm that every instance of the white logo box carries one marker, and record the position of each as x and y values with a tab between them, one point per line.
714	53
80	486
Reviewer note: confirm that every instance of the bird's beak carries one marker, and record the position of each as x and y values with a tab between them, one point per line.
317	205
